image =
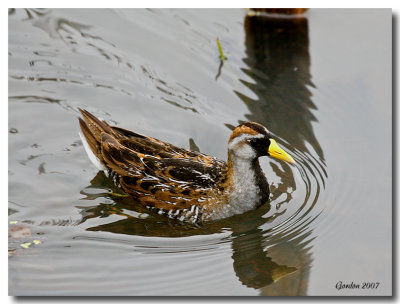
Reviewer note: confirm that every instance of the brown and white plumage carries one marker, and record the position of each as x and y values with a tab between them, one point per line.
177	182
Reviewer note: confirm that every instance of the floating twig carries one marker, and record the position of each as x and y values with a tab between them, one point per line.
221	52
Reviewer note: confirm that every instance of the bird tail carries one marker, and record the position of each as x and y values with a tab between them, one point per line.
92	129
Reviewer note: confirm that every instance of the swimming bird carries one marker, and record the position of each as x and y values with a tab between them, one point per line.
179	183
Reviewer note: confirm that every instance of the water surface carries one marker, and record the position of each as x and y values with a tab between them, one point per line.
320	83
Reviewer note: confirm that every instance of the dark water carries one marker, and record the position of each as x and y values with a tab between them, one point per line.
321	84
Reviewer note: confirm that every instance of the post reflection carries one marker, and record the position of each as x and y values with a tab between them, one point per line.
278	62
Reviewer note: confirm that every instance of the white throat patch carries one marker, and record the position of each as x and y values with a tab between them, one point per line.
239	148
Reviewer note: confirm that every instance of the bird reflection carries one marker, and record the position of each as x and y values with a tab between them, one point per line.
252	264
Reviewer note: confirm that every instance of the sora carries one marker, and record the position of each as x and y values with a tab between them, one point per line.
179	183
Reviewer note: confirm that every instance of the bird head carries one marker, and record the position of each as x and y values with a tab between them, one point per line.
251	140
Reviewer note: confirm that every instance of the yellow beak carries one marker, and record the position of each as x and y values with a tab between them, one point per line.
275	151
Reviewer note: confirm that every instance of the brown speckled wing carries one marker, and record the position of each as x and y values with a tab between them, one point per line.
152	146
158	174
